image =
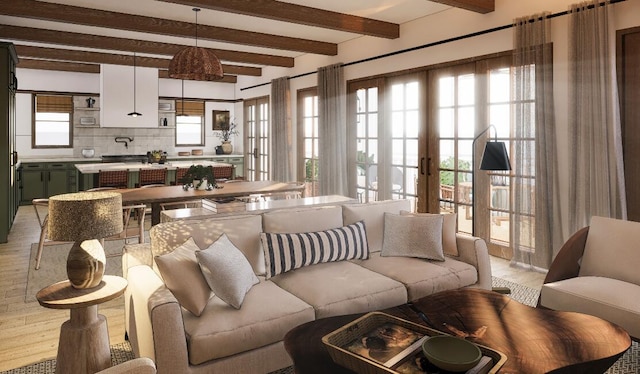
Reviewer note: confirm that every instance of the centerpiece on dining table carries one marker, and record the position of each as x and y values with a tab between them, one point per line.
199	177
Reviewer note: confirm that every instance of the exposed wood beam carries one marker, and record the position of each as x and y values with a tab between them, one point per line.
123	21
115	59
226	79
131	45
479	6
26	63
300	14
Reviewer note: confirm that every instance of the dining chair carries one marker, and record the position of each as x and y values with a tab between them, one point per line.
41	206
136	210
113	178
152	177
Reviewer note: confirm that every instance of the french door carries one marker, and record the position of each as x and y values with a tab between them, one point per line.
256	128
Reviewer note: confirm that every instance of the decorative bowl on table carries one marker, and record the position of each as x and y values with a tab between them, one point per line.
451	353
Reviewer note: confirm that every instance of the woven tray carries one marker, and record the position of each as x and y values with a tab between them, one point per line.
337	342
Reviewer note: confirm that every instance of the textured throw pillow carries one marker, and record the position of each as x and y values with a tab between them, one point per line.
284	252
227	271
413	236
183	277
449	241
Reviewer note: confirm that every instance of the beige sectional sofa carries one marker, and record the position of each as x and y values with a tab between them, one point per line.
223	339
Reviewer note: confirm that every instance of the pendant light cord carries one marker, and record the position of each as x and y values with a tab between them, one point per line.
134	82
196	10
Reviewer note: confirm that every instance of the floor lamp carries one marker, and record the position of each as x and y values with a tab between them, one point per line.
494	157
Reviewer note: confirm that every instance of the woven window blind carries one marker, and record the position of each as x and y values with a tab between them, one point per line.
191	108
54	104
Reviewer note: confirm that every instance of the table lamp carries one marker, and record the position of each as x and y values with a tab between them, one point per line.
83	218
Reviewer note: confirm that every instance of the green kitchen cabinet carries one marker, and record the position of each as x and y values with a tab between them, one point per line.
46	179
32	182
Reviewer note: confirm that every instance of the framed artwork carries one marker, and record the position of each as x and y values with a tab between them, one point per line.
220	120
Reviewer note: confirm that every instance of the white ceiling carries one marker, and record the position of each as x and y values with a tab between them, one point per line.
395	11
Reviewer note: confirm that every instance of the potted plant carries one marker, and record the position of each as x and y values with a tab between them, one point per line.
225	135
200	176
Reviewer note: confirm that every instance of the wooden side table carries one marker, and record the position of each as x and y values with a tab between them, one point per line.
84	340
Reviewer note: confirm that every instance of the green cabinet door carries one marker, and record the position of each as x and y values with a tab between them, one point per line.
33	185
57	182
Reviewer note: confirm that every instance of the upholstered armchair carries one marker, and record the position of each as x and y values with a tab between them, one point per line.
142	365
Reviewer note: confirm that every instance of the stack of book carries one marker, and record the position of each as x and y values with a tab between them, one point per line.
224	205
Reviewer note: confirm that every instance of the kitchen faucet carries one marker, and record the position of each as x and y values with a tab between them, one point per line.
125	140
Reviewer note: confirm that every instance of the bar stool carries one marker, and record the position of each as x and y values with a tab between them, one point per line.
221	173
152	176
113	178
180	173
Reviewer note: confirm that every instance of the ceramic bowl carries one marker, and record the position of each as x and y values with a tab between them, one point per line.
451	353
88	152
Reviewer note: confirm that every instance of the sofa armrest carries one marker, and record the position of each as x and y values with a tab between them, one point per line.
566	264
473	251
134	255
154	321
142	365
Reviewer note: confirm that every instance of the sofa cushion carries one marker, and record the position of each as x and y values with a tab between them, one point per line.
373	215
267	314
610	299
243	231
422	277
608	239
449	242
285	252
338	288
227	271
412	236
181	274
302	220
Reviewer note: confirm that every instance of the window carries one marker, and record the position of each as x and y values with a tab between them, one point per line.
190	123
52	122
308	139
256	126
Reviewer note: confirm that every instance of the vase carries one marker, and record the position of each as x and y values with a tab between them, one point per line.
227	148
198	186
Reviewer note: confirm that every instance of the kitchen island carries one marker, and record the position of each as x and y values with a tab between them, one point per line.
89	172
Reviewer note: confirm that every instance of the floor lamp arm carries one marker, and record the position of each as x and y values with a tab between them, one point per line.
473	176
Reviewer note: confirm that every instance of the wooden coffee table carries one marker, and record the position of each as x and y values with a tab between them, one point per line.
534	340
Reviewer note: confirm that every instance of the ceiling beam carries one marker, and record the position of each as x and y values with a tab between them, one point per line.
26	63
131	45
478	6
116	59
123	21
288	12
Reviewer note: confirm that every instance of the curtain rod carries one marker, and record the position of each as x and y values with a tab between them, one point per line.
433	44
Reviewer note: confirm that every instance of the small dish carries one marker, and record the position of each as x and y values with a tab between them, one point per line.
451	353
88	152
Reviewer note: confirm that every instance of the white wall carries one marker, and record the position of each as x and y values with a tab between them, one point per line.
446	25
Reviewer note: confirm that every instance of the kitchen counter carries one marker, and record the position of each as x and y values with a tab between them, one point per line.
36	159
137	166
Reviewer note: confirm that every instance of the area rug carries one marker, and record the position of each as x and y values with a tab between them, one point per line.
627	364
53	265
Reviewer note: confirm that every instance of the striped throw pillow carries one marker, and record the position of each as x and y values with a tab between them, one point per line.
284	252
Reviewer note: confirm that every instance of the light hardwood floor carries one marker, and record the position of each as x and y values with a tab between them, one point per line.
29	332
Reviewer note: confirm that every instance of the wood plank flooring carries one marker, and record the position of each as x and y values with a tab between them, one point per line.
29	332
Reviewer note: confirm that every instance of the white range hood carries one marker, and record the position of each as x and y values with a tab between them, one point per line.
116	96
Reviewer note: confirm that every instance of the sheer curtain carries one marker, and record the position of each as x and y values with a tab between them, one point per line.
282	137
596	183
332	130
536	222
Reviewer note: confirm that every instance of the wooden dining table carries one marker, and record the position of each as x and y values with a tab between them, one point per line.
159	195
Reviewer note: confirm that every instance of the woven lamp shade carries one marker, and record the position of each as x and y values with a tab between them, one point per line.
196	63
85	215
83	218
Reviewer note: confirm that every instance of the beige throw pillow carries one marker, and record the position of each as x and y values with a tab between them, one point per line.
449	241
412	236
227	271
182	275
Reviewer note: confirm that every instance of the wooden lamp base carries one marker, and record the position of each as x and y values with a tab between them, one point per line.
86	264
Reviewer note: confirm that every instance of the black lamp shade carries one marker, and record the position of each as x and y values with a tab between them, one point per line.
495	157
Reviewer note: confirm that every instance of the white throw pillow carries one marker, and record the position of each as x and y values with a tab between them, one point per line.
413	236
449	241
284	252
183	277
227	271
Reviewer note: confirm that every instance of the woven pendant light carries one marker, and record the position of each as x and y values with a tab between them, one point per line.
196	63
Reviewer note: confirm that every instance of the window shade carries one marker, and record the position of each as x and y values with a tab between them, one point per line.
54	104
191	108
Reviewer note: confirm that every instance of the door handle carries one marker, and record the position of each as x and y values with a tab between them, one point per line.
255	153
